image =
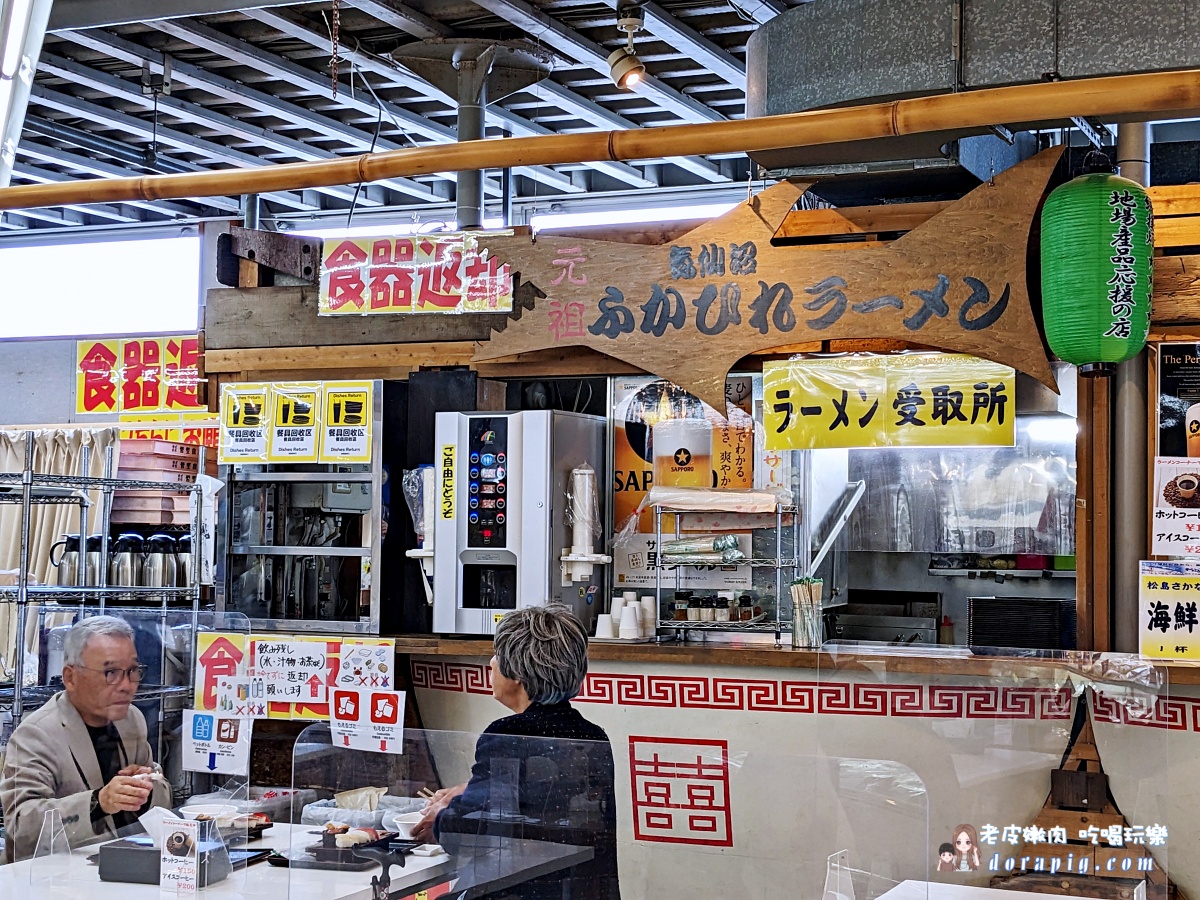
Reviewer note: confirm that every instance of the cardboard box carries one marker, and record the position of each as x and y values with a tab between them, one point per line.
159	448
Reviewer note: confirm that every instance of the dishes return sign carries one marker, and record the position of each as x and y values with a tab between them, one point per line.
915	400
443	273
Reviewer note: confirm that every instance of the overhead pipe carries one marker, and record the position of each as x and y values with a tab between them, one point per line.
472	104
1112	96
132	156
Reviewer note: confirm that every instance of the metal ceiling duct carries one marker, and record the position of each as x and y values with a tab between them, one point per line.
843	52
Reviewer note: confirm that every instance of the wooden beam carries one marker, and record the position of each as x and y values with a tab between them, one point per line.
235	318
1175	199
1176	231
317	360
641	233
1176	289
857	220
566	362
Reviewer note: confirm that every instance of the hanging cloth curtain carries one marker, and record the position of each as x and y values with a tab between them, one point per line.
55	452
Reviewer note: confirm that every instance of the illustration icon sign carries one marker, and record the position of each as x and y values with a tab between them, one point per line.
383	710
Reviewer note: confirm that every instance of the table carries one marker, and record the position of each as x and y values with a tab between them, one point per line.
479	865
931	890
260	881
485	864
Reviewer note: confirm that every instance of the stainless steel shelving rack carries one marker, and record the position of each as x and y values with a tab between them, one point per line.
29	488
779	562
370	473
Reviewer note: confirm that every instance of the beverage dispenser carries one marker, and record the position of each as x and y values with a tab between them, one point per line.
518	516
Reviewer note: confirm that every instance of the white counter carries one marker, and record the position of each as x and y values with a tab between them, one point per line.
258	882
930	890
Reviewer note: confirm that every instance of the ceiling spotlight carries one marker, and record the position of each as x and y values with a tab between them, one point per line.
623	64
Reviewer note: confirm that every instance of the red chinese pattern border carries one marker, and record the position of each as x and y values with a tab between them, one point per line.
931	701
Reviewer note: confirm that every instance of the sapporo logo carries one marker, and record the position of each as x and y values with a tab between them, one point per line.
1194	426
683	456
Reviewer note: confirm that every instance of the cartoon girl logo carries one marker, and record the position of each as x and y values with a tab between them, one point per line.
966	848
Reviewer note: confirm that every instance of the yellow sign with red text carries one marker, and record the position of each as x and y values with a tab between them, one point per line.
429	273
228	655
137	375
914	400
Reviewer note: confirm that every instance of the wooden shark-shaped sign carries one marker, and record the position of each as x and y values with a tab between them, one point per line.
687	311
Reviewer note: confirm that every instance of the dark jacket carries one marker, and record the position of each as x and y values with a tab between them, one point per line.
545	774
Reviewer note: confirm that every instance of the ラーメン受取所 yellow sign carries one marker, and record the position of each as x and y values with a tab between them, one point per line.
917	400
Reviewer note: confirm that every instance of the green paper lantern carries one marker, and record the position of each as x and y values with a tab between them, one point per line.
1097	270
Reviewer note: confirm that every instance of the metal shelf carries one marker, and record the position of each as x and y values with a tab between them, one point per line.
55	499
304	476
315	626
284	550
984	573
77	482
760	625
28	488
79	594
41	693
674	562
681	511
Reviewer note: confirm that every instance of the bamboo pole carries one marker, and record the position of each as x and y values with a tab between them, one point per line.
1019	105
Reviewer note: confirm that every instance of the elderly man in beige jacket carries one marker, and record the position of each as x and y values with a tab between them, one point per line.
85	752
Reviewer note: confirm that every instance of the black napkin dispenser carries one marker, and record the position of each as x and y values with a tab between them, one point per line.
136	860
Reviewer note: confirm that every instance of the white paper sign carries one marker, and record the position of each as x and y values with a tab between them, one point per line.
634	561
368	720
179	867
215	743
290	671
236	697
1175	521
366	665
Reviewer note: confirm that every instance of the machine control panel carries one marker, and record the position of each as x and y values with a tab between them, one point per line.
487	449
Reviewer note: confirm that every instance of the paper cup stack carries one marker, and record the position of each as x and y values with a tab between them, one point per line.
604	626
649	615
630	622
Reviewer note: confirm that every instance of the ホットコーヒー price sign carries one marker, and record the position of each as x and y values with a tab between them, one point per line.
920	400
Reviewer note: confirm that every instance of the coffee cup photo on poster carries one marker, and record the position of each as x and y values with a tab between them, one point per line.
1176	483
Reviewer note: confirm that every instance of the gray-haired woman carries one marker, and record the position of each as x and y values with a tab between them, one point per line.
539	665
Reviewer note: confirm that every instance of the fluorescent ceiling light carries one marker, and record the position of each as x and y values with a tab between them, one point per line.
18	25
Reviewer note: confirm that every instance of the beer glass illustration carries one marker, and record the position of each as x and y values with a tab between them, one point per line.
682	453
1192	424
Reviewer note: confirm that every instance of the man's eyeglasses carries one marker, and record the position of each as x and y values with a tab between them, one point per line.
114	676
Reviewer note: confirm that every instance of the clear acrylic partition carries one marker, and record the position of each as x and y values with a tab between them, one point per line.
786	826
1039	766
165	644
541	814
537	814
60	869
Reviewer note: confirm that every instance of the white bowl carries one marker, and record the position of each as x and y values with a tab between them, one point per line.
404	823
222	814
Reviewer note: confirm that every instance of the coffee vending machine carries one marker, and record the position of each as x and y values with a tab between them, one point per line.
519	511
